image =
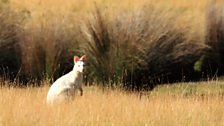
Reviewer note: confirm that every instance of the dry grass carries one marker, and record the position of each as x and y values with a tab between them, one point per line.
112	107
52	32
56	21
9	37
142	44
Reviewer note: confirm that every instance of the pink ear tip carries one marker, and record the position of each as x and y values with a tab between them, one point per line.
83	58
76	58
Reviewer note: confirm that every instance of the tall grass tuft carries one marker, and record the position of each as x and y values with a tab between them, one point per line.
143	47
111	46
48	47
168	51
136	47
10	28
215	38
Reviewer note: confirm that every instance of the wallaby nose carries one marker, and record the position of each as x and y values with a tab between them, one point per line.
81	70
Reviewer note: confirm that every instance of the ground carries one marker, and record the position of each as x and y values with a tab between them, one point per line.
179	104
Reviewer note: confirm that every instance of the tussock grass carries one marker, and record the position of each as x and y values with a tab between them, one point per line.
215	36
9	40
134	43
141	47
49	46
26	106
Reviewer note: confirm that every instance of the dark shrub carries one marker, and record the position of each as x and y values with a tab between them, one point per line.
140	49
10	22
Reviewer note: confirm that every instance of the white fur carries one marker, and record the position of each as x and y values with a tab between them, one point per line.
65	87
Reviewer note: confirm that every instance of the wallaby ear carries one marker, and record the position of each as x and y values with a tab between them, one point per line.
83	58
76	59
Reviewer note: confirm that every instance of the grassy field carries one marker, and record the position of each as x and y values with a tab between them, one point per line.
194	104
47	25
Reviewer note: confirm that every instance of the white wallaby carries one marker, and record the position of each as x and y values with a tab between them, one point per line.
64	88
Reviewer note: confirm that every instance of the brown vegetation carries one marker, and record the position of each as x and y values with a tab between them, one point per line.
137	44
180	104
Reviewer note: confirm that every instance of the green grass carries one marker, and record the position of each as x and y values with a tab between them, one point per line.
191	89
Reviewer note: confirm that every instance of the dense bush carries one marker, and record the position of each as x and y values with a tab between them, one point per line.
10	29
31	50
135	49
141	49
48	48
214	61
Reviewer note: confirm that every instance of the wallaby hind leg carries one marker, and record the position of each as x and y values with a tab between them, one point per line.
81	91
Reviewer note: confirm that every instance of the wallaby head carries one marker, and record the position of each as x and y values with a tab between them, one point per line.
79	63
